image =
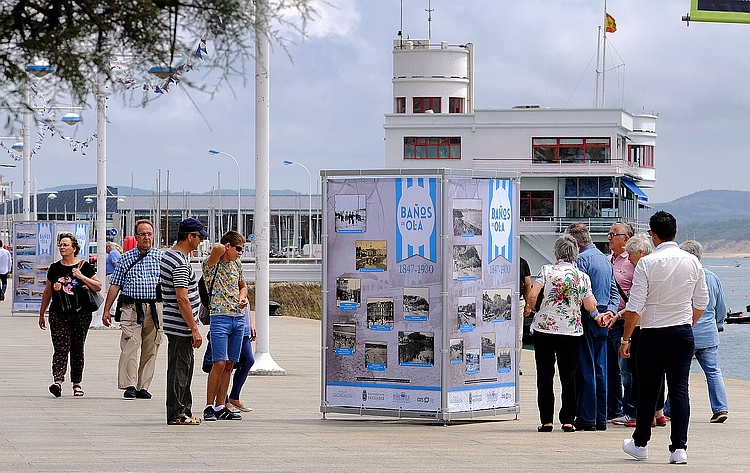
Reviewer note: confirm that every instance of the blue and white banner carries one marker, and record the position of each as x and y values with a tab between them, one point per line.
416	218
501	219
44	243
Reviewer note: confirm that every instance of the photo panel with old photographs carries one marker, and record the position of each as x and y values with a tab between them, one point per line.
350	213
371	255
376	355
380	313
503	360
457	351
348	293
467	262
488	344
25	265
467	217
496	305
344	339
467	313
26	250
416	349
416	304
472	361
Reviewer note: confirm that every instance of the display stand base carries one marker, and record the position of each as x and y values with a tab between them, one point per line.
265	366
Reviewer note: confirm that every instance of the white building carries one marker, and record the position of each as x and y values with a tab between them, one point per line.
585	165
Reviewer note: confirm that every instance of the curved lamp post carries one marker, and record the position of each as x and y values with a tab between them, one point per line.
309	209
239	196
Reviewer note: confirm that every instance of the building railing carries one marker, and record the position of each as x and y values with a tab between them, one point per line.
556	225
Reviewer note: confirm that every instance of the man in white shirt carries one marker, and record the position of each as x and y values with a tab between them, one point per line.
5	267
669	294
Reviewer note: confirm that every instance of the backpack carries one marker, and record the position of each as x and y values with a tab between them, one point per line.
204	311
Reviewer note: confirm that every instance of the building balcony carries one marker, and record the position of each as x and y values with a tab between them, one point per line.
597	226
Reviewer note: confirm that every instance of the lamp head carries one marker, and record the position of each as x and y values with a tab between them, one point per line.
52	196
213	151
89	200
17	196
71	119
162	72
39	70
288	162
17	146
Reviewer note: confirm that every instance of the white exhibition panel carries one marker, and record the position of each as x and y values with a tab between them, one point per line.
420	284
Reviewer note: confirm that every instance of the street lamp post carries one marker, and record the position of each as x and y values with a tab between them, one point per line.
239	195
309	209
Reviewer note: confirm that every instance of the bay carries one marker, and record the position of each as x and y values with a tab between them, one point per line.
734	275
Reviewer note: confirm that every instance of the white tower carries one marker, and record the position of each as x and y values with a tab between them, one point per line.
432	79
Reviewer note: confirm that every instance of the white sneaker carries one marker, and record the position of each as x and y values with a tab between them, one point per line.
639	453
679	456
622	420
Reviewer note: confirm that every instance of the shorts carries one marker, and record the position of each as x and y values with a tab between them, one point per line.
226	337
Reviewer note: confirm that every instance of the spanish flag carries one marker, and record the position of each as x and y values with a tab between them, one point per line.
609	24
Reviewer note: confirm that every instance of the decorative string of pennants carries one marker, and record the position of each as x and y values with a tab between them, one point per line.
47	114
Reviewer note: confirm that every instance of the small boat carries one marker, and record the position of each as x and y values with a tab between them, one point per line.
737	318
737	264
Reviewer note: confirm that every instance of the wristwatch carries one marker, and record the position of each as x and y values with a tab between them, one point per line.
623	341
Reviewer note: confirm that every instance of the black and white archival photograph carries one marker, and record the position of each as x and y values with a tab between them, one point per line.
416	348
467	217
472	361
457	351
344	339
348	293
496	304
467	313
350	212
503	360
371	255
376	355
488	344
380	313
416	303
467	262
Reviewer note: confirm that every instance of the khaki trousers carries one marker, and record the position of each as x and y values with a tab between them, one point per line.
144	337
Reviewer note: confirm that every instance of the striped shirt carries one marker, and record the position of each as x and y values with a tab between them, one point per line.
141	280
177	272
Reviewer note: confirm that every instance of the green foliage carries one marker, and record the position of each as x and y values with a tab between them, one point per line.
727	230
77	37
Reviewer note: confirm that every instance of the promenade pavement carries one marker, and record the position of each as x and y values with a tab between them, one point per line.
102	432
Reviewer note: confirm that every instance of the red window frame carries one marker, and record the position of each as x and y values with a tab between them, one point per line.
529	197
456	104
641	155
422	104
432	147
549	150
400	105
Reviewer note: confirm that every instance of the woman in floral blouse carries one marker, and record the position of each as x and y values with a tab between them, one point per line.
557	330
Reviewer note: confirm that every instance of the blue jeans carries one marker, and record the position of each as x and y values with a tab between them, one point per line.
708	358
667	350
615	377
591	379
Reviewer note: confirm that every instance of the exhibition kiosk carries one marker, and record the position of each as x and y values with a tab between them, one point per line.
420	293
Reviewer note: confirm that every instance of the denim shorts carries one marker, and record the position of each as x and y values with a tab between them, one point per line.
226	337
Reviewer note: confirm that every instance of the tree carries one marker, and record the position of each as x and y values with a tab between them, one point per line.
78	37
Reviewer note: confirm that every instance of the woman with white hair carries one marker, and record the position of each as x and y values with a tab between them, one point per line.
558	330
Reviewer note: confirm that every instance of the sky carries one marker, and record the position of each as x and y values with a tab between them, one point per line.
328	101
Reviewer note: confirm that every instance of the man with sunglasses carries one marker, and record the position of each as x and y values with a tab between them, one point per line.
140	307
222	272
181	300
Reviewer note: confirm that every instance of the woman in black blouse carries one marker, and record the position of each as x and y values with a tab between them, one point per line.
69	322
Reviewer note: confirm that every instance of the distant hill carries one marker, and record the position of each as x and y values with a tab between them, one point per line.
709	205
719	219
125	190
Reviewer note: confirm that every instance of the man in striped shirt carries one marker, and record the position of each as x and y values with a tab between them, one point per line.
181	299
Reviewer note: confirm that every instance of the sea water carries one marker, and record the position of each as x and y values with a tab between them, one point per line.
734	275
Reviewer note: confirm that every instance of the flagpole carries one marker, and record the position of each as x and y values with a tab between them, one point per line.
598	56
604	52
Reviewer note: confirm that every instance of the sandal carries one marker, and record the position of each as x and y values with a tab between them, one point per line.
77	391
568	428
545	428
56	389
184	421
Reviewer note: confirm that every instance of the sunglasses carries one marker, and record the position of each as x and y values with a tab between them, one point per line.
239	249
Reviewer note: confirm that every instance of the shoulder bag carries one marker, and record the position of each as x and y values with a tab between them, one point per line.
204	310
91	300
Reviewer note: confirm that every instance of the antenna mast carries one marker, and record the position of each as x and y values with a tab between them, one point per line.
429	11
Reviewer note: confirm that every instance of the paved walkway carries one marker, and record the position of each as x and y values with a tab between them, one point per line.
103	432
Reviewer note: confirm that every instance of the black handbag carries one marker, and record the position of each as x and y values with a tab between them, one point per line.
91	300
